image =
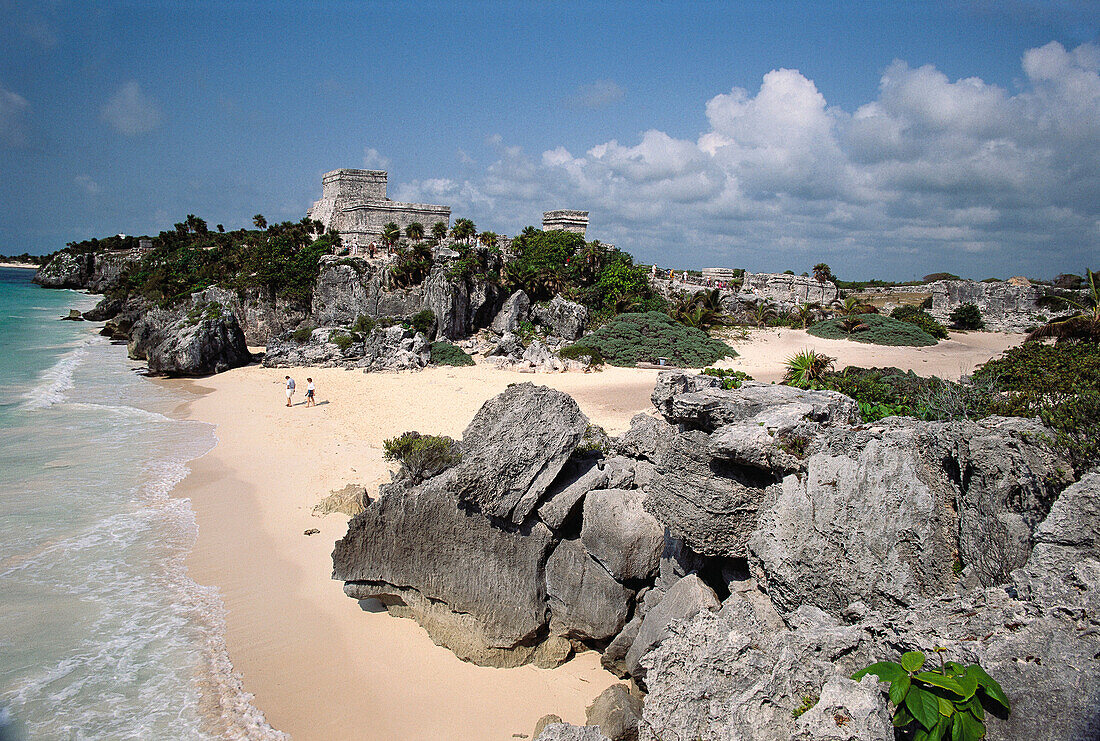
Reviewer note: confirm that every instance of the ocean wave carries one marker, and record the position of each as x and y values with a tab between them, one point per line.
58	379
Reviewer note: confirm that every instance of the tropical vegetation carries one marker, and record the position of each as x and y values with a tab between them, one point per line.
874	329
634	338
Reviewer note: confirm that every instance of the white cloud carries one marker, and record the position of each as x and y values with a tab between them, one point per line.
372	160
87	184
932	173
596	95
13	118
130	111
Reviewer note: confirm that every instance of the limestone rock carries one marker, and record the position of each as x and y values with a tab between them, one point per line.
614	656
263	314
779	408
711	503
545	721
511	314
207	340
753	445
685	599
565	319
846	711
620	534
786	288
477	588
616	712
577	478
515	447
321	350
93	271
569	732
671	384
585	601
648	438
509	346
1005	307
394	349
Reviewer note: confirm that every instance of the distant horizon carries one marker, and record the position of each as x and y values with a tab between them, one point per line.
888	140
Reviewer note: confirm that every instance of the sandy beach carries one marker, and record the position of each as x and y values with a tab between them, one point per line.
21	265
321	667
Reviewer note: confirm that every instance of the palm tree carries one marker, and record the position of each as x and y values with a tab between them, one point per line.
806	366
439	231
488	239
391	233
761	313
259	221
852	306
415	231
806	314
1083	325
822	273
464	230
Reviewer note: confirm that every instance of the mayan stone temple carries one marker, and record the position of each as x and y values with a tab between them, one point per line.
566	220
354	203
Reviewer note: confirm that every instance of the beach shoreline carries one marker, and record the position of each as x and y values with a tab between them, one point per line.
320	666
19	265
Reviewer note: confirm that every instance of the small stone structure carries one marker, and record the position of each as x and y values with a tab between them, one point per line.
565	220
354	203
716	274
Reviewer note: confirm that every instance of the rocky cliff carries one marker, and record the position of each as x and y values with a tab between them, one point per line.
92	271
348	287
746	548
1005	307
198	342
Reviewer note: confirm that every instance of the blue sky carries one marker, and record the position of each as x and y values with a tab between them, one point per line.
887	139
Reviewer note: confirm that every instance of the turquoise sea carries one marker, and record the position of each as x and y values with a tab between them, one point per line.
102	633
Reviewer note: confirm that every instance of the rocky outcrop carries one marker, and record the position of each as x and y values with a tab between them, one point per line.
384	349
789	289
207	339
616	712
92	271
561	318
263	315
1005	307
348	287
511	314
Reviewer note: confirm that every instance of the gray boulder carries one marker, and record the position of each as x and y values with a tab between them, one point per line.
205	340
569	732
620	534
671	384
617	712
711	503
648	438
477	589
577	478
846	711
514	449
614	656
319	350
686	598
394	349
511	314
562	318
585	601
509	346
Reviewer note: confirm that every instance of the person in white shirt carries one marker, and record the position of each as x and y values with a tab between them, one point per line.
289	389
310	390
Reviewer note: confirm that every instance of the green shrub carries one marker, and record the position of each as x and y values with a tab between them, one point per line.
342	340
881	392
422	456
302	334
946	702
363	324
630	339
880	330
967	316
582	352
423	321
731	379
444	353
921	318
806	366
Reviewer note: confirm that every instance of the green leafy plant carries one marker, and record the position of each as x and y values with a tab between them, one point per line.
422	456
363	324
967	316
342	340
808	701
444	353
582	352
633	338
806	366
302	334
878	330
945	702
423	321
731	379
921	318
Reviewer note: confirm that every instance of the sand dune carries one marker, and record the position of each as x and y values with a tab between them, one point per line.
321	667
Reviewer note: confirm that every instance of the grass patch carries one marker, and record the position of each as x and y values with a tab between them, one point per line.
643	338
878	330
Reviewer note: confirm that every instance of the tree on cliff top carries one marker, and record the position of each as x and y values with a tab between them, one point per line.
415	231
259	221
439	231
464	230
822	273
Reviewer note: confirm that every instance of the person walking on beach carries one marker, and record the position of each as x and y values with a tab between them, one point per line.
289	389
310	390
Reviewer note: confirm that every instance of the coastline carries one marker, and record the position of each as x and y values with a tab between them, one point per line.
316	663
20	265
